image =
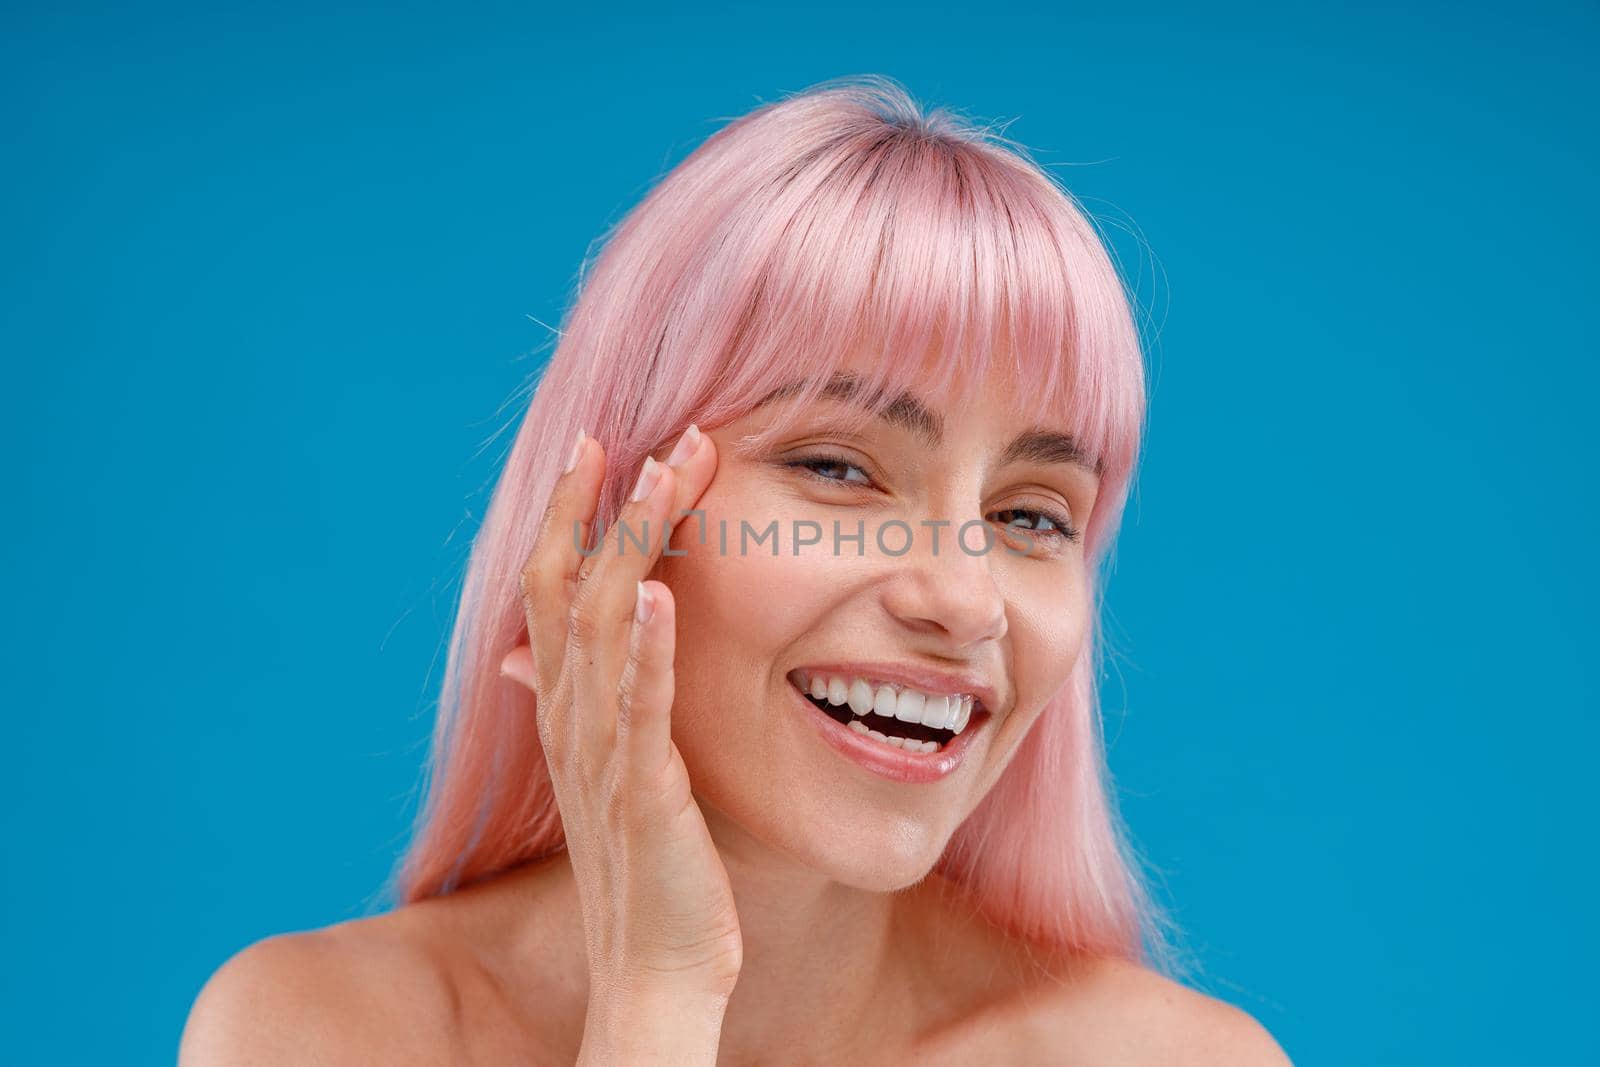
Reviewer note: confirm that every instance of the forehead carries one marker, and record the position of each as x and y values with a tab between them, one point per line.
996	384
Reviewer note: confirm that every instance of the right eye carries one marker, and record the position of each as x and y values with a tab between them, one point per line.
819	462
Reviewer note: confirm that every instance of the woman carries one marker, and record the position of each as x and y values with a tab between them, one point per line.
816	777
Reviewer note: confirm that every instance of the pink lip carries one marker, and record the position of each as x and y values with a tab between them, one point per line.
881	759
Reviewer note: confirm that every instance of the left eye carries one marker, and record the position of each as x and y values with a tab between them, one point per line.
1040	522
1037	522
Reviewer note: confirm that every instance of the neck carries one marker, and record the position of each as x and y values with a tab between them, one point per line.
830	972
819	956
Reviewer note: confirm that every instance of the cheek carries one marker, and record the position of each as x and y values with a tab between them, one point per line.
739	615
1048	622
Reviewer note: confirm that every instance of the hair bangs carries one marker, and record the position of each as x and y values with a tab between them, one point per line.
922	264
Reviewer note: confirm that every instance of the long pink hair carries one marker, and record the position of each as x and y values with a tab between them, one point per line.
833	218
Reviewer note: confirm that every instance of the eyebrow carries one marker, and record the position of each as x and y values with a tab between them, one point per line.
1039	445
1033	445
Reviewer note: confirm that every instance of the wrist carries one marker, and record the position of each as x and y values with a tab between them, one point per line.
653	1026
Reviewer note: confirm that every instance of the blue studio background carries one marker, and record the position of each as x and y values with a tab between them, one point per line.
270	274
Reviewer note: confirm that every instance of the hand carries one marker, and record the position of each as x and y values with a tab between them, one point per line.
658	911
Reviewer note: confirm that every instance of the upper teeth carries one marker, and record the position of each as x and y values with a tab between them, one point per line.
944	711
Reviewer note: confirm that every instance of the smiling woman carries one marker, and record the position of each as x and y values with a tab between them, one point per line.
817	775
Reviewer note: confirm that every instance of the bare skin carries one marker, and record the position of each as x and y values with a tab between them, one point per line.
495	974
799	921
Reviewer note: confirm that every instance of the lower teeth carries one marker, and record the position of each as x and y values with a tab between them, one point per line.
897	742
905	744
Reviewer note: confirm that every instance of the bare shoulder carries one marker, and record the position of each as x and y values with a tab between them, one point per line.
1118	1012
363	991
1009	1001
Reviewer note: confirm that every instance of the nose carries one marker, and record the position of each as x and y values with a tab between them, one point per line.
946	590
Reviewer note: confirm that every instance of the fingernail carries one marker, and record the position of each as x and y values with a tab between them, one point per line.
644	604
687	445
647	479
577	450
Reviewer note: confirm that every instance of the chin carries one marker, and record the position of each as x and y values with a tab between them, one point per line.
883	855
882	852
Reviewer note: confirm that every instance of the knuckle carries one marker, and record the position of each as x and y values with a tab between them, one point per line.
551	726
547	514
586	568
615	803
628	686
531	579
582	627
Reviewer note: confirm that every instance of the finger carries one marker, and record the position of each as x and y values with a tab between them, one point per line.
550	573
603	605
695	460
518	666
693	457
645	691
602	608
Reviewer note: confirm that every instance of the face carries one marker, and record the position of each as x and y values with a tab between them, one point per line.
906	612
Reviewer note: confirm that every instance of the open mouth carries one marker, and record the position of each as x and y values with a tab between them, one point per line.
891	714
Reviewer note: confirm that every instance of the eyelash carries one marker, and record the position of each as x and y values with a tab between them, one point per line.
1064	529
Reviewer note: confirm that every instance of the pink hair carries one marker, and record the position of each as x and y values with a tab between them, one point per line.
835	218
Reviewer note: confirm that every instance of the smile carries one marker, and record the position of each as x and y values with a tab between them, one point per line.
893	729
